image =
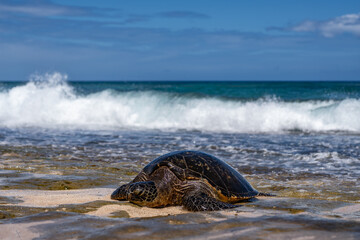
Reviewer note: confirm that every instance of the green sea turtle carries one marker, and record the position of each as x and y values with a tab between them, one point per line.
196	180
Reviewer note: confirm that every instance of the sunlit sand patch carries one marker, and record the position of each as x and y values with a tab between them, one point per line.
350	212
42	198
11	155
355	208
132	211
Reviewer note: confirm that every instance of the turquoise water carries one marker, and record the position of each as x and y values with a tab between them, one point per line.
287	91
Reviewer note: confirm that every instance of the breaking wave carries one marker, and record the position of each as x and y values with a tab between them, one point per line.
49	101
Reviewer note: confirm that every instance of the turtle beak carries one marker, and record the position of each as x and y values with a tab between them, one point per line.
115	194
120	193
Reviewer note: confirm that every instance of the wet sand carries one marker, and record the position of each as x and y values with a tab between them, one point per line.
39	213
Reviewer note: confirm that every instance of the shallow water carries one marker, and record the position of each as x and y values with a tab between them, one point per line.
312	174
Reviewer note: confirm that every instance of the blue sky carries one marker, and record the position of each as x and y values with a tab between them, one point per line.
181	40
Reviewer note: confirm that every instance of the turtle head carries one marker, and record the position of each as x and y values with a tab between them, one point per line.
120	193
141	192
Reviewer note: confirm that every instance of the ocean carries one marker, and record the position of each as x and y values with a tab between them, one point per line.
298	140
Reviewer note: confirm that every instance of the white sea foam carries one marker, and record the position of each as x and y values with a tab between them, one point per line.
48	101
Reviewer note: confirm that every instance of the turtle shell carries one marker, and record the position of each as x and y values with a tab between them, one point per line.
199	166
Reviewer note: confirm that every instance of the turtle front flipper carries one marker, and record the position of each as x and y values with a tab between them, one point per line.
203	202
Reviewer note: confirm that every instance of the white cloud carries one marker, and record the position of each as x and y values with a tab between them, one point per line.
349	23
35	10
307	26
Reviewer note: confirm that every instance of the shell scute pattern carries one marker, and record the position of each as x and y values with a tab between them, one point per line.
218	174
199	165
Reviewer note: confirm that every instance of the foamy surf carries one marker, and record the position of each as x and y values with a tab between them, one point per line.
49	101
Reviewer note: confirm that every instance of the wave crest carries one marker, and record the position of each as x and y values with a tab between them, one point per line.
49	101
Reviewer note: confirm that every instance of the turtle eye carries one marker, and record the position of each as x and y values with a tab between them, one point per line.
138	191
